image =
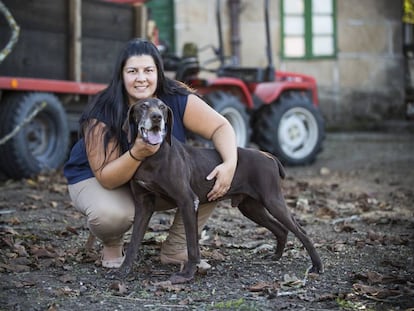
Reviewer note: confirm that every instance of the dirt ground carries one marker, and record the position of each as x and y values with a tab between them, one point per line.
355	202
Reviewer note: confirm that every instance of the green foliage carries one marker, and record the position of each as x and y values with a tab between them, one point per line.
352	305
239	304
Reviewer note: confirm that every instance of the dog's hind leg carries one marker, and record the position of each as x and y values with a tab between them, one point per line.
276	206
256	212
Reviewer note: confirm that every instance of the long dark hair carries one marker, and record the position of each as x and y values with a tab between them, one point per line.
111	104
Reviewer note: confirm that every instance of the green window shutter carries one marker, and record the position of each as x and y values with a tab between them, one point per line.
308	29
162	12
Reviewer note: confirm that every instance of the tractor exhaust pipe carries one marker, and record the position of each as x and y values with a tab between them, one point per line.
220	50
270	70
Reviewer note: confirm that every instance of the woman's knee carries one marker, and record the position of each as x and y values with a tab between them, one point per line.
112	219
110	213
109	225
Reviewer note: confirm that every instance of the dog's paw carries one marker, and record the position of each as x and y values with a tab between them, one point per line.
272	256
316	269
180	278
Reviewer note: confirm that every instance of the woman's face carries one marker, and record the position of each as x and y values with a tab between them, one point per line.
140	77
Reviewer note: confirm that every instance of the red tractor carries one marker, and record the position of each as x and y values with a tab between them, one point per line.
278	111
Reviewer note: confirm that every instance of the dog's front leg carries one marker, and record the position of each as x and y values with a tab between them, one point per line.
188	211
144	207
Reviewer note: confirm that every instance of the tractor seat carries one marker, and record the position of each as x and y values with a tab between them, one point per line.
187	69
248	74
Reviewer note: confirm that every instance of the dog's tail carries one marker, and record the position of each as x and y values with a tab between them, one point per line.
282	172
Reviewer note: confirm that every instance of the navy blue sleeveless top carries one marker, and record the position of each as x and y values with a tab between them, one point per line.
77	168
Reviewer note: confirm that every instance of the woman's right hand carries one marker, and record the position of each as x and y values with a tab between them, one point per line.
142	150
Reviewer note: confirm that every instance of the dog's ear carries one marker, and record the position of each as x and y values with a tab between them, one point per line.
170	123
128	126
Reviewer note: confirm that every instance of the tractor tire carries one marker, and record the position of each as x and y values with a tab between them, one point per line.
230	107
40	144
291	128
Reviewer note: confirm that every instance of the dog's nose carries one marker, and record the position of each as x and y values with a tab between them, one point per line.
156	117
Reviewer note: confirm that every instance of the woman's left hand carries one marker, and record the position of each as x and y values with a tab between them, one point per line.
224	175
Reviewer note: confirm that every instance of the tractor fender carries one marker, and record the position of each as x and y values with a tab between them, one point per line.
231	85
269	92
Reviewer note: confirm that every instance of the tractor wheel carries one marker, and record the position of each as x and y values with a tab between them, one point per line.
291	128
234	111
38	141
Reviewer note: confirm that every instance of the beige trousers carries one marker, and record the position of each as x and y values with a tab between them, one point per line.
110	213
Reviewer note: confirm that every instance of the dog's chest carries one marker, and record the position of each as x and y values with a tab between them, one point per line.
147	179
143	183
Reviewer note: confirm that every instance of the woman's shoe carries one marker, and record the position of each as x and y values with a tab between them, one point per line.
113	263
174	259
112	252
180	258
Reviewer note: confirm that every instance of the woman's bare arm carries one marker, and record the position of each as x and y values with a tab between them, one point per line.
116	169
205	121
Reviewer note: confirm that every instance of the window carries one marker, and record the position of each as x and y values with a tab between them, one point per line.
308	28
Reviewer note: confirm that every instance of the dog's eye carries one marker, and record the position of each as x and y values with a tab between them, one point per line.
144	105
162	107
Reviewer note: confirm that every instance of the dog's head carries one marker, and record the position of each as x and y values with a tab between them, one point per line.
151	119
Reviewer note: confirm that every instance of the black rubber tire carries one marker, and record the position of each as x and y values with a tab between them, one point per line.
291	128
39	146
234	111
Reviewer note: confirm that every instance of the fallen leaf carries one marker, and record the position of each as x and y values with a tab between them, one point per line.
21	250
261	231
72	230
291	281
217	241
168	286
186	301
264	248
14	221
9	230
23	261
31	182
343	227
67	278
41	253
261	286
374	277
52	307
15	268
24	283
324	171
337	247
325	213
302	204
376	292
67	291
119	287
35	197
374	236
59	188
214	254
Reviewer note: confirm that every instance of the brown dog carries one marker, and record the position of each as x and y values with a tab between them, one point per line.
176	173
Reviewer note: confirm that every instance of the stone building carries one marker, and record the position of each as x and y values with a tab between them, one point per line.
354	49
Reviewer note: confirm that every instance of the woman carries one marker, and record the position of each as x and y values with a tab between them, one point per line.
101	163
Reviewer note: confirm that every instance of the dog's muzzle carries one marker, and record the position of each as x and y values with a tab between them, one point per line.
152	136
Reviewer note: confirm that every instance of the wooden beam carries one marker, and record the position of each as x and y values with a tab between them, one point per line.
140	21
75	40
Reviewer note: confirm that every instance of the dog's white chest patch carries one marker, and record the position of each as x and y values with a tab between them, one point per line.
142	183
